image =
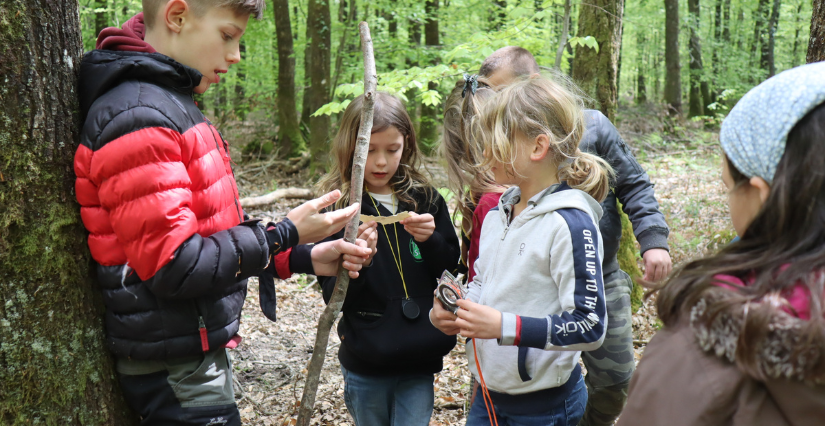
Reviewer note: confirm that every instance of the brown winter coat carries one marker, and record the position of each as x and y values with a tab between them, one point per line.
687	377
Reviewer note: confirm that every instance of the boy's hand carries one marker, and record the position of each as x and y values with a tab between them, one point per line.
313	226
443	319
657	266
325	256
478	321
420	226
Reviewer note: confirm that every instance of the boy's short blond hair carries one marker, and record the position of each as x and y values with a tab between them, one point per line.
199	7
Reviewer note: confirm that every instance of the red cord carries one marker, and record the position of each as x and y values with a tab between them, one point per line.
491	412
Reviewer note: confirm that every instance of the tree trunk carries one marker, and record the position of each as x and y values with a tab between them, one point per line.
54	364
414	32
289	132
342	48
240	104
319	42
673	73
597	72
816	47
768	61
564	33
798	28
696	69
726	20
641	68
760	16
499	13
101	18
428	134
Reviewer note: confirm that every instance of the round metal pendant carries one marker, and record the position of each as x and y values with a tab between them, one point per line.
410	309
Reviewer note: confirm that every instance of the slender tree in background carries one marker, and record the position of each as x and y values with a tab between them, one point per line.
816	46
767	60
673	73
564	33
797	27
641	68
240	103
760	24
101	16
54	365
319	40
499	14
428	129
289	132
699	93
597	71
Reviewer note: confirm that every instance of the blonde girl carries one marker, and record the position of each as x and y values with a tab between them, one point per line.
389	350
537	298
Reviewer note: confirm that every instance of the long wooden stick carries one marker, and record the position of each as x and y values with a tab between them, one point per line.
339	293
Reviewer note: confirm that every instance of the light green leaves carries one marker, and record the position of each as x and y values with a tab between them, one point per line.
588	41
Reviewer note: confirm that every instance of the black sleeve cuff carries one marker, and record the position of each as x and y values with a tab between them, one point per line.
300	259
653	237
281	236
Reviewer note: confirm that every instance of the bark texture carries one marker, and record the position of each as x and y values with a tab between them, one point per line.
428	134
289	131
54	365
319	41
816	46
597	72
673	68
698	90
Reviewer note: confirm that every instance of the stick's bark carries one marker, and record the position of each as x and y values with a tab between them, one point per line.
351	232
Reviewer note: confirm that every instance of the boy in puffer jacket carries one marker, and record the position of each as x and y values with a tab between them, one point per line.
160	201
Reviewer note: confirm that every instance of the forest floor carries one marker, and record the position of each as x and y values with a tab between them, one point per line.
271	363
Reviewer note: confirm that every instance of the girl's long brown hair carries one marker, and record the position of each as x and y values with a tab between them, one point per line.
462	153
788	232
389	112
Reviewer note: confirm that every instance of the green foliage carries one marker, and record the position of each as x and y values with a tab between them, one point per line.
407	67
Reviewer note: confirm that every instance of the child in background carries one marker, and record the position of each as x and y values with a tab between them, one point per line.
538	286
744	335
389	350
610	367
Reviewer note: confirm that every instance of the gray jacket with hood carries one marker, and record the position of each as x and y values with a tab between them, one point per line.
543	271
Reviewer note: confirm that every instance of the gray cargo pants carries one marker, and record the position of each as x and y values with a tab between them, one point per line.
610	367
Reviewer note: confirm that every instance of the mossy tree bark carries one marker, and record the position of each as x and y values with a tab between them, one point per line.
289	131
627	261
597	71
54	366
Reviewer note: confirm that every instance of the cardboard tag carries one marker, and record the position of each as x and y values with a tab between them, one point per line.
385	220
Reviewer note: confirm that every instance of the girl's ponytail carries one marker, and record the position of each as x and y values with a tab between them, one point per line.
588	173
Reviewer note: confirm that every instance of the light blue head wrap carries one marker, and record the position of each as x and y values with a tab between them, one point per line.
754	134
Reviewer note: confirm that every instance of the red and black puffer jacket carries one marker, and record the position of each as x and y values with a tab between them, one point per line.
160	202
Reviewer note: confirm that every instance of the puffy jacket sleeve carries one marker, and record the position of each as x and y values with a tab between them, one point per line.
633	187
144	187
576	267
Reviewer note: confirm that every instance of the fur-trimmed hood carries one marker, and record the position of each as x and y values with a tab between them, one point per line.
778	346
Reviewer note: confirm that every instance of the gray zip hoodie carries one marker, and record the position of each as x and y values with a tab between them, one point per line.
543	271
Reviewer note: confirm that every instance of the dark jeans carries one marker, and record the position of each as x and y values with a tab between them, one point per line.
567	414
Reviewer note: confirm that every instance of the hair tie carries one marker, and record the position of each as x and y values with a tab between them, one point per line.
471	83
